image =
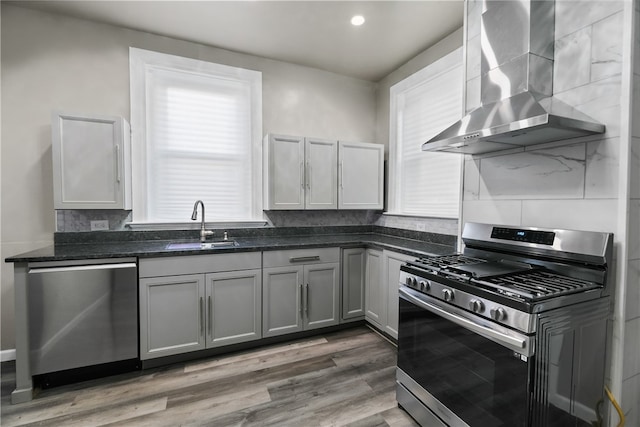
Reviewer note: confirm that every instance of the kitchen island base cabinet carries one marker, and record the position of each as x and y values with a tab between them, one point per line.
302	294
189	312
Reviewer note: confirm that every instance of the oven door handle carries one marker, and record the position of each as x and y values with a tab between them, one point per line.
518	344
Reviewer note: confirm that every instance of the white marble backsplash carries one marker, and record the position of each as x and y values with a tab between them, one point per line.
601	178
633	292
572	61
599	100
572	15
635	167
80	220
557	173
507	212
606	53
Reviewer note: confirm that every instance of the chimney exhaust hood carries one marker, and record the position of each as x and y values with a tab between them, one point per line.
517	104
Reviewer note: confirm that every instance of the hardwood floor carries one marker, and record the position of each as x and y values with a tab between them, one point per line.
345	378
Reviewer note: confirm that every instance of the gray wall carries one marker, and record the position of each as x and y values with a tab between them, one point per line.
54	62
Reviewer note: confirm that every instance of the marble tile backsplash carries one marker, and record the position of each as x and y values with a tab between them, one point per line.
80	220
557	173
606	54
573	15
601	178
572	62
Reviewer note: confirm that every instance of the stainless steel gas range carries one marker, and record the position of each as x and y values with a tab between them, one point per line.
512	332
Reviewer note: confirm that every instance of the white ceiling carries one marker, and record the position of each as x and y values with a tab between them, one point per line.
312	33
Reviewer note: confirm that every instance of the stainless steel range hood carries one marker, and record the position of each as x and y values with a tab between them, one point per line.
517	104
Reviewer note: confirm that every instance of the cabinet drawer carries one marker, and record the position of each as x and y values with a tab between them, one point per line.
300	256
195	264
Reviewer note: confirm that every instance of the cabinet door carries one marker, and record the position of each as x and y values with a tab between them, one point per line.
321	301
285	172
171	315
391	265
234	307
282	304
321	175
375	293
91	167
353	273
361	176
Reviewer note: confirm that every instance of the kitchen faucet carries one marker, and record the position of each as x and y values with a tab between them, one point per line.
194	216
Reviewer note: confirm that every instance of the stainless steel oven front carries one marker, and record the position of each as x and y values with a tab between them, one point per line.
459	369
466	370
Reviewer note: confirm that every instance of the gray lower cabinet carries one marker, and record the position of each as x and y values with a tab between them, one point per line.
382	283
300	290
375	294
187	312
391	263
234	305
353	283
171	315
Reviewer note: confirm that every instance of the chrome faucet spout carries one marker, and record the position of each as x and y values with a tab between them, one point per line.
194	216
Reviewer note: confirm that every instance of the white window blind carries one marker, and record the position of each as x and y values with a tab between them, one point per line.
422	105
199	138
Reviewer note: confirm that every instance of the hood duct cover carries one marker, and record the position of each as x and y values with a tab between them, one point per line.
517	107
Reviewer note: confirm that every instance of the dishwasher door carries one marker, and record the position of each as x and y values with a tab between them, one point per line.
82	315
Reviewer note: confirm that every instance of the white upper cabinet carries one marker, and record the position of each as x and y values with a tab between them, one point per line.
284	169
311	173
300	173
321	174
91	162
361	176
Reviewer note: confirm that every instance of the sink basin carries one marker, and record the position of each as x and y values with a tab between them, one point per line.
186	246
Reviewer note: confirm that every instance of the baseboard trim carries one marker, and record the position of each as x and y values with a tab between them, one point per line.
8	355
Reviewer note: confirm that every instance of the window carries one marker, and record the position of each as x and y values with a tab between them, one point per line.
422	105
196	129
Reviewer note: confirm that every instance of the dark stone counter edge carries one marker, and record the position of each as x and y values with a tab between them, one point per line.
157	248
235	233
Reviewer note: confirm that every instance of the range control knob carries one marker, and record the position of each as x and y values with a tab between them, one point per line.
425	285
411	281
447	294
476	306
498	314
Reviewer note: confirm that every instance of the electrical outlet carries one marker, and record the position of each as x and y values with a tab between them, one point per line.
100	225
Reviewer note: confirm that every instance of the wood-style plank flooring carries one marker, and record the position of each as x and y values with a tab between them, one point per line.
345	378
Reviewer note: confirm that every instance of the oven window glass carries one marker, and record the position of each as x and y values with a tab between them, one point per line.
480	381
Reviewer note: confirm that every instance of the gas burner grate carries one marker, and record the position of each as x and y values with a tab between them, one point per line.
441	262
536	284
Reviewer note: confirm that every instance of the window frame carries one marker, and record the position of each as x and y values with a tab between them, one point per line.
140	61
432	71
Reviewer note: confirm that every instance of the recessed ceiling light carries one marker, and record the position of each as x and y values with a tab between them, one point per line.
357	20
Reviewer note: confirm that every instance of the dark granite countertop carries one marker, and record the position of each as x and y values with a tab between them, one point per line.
108	245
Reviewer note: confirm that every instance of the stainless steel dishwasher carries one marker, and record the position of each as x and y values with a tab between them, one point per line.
82	315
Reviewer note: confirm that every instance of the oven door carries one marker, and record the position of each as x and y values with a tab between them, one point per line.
467	370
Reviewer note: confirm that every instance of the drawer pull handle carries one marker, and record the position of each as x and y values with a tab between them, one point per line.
305	258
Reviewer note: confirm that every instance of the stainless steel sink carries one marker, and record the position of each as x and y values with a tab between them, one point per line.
186	246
